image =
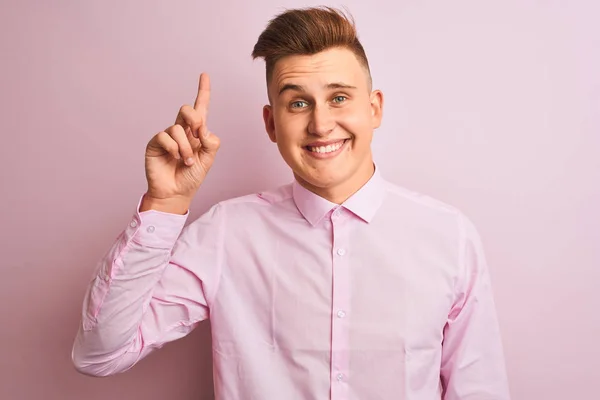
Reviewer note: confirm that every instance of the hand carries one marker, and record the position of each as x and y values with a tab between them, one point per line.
178	159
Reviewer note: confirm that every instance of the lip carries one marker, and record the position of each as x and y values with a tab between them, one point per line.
322	156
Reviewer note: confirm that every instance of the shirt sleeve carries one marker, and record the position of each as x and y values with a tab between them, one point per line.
153	286
473	366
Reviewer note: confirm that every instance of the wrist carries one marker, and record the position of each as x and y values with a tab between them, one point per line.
175	205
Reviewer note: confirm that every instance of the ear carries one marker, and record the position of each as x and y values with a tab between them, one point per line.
269	123
376	108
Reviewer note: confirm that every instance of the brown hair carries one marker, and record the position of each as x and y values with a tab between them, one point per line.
307	31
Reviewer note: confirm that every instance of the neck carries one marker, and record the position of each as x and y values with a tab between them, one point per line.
342	192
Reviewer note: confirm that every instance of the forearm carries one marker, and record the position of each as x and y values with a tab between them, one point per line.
111	332
117	323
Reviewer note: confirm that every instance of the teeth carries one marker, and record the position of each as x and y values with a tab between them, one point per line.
327	149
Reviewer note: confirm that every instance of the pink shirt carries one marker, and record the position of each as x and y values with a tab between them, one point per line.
384	297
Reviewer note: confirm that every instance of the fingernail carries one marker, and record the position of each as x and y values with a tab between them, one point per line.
205	133
189	161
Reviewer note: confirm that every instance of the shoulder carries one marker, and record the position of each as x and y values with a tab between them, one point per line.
240	210
403	197
249	204
428	212
254	201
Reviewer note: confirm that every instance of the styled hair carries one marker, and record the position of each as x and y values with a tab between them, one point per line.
307	31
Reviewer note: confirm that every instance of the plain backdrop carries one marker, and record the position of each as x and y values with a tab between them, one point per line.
491	106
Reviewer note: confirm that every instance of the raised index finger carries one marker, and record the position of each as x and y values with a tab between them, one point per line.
203	97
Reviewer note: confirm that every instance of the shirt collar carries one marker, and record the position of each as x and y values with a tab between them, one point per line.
364	203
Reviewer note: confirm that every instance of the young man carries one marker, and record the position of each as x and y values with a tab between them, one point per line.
339	285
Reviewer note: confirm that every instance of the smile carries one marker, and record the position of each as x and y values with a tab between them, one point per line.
326	150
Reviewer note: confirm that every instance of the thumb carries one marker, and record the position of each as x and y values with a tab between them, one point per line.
210	142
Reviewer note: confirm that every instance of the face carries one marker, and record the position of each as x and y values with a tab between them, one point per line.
322	116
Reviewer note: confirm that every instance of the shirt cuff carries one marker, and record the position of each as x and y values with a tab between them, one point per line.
154	228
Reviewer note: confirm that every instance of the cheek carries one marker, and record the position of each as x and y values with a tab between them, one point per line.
356	121
290	128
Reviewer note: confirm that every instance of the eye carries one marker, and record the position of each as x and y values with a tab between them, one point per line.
339	99
298	104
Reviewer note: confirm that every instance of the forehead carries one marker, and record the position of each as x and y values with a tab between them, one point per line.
333	65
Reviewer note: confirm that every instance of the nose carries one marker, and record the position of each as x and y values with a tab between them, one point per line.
321	121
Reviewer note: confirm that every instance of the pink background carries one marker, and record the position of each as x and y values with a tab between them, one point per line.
494	108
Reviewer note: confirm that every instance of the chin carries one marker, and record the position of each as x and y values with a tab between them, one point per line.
321	180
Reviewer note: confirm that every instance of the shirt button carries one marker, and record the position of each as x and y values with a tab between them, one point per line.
150	229
336	214
340	377
341	252
133	224
341	314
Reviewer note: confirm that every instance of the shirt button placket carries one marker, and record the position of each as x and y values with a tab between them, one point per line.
340	303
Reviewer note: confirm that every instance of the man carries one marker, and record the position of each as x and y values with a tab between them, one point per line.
339	285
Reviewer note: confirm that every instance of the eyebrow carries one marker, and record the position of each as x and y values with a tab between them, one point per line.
299	88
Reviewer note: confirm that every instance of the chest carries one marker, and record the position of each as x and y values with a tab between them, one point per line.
384	291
